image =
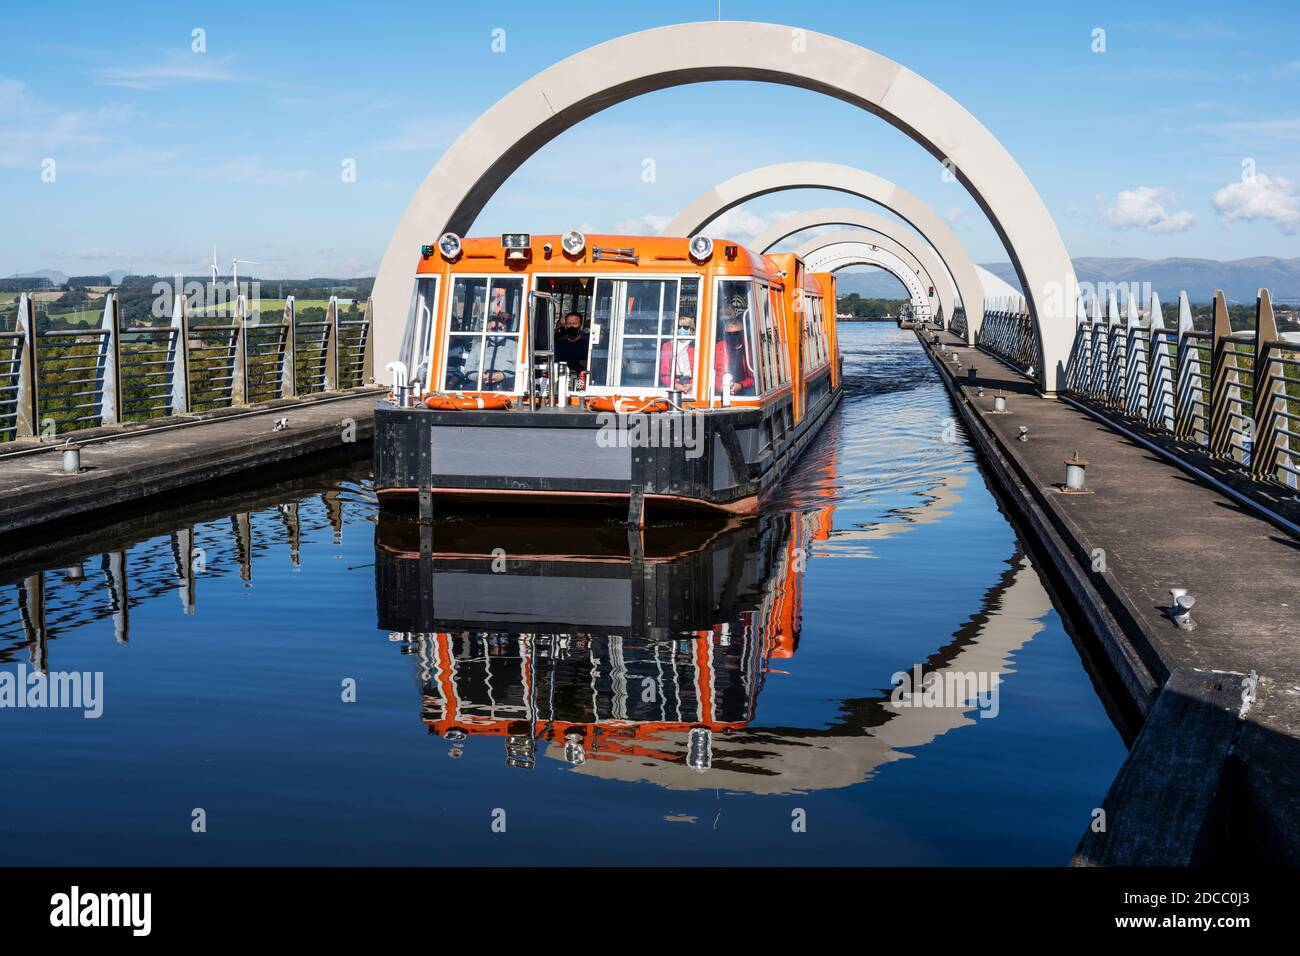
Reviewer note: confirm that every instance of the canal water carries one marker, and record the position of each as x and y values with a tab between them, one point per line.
870	673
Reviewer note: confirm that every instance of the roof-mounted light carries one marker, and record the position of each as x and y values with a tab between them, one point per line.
701	248
518	246
573	242
449	245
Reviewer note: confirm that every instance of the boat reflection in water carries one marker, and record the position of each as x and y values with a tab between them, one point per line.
646	661
617	648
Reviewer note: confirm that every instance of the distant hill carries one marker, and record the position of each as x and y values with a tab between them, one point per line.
1240	279
873	284
54	275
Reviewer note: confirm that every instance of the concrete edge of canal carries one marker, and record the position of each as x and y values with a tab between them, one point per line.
122	468
1213	774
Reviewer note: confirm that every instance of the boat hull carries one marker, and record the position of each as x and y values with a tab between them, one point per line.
723	460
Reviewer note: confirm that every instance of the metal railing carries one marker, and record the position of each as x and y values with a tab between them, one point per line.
57	381
957	325
1234	394
1008	333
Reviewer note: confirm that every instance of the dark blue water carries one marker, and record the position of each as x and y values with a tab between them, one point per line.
724	698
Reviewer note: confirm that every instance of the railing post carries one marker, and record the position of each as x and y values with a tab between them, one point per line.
1137	387
331	350
178	355
1097	374
239	355
1161	404
110	360
1225	387
1081	360
27	422
1270	426
1115	376
1188	392
367	351
289	366
288	387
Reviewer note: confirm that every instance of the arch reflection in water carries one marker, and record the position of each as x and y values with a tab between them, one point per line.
647	663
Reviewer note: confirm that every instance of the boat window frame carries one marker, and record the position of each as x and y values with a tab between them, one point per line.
714	393
521	357
411	332
623	276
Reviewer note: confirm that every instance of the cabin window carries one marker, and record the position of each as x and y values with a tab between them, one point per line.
733	351
416	338
643	333
776	369
816	330
483	330
782	346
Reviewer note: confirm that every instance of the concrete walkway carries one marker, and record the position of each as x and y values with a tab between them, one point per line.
134	465
1157	527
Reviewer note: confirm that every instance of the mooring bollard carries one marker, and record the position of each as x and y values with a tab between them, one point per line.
1075	473
999	402
1181	608
1024	433
71	457
970	375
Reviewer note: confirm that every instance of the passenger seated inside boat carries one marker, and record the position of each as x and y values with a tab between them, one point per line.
499	354
572	342
677	356
731	354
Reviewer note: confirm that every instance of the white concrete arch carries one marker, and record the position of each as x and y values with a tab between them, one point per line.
541	108
928	259
858	247
856	182
863	253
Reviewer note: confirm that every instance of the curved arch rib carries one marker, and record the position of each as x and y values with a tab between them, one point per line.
927	259
857	182
839	250
541	108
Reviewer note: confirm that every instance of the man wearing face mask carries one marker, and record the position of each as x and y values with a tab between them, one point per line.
571	343
731	357
499	355
677	357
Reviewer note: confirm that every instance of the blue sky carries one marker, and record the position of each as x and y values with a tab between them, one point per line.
160	152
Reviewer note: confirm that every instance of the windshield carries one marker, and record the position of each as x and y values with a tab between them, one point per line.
483	331
643	333
419	328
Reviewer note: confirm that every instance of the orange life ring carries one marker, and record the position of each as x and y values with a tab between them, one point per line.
467	402
617	403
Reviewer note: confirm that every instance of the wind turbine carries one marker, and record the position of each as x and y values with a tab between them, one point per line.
214	270
234	270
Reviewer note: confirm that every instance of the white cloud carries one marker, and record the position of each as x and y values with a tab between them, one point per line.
647	225
32	129
1270	198
953	216
741	225
1144	208
738	225
176	68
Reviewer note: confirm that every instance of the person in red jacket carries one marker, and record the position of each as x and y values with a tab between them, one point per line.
731	356
677	357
